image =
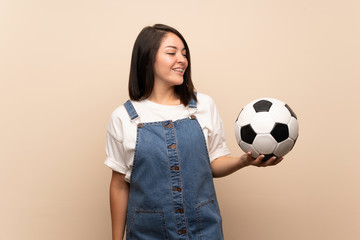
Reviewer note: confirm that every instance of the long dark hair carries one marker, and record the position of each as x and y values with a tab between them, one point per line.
141	79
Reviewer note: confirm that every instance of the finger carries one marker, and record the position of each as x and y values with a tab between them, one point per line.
270	161
273	161
259	160
278	160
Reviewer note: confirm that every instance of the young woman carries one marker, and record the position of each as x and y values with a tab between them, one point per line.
165	145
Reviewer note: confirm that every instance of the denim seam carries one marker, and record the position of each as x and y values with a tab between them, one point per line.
170	181
165	121
131	224
180	177
153	212
135	152
198	217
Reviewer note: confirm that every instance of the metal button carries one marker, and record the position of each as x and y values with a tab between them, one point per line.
181	211
193	117
140	125
183	231
172	146
177	189
176	168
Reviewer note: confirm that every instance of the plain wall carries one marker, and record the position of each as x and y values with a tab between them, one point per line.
64	68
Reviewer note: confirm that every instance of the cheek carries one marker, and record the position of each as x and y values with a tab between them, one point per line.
160	66
165	64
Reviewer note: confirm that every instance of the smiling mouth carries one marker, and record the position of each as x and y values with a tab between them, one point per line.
180	70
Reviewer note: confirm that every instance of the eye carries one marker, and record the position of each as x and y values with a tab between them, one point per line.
171	53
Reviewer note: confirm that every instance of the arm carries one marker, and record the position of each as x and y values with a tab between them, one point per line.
119	194
226	165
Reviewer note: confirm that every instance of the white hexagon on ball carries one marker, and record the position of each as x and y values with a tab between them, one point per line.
280	113
284	147
245	116
264	143
248	147
293	128
262	122
237	133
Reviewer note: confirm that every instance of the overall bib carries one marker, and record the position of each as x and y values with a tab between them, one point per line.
172	194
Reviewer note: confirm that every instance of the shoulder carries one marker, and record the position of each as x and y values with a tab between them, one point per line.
202	97
119	114
119	119
205	102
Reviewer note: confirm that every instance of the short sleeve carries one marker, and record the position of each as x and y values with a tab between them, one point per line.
216	139
114	147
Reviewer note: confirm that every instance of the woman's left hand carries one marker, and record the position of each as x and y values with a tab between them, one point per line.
258	162
225	165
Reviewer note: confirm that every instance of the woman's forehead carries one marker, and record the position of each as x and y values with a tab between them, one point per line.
171	40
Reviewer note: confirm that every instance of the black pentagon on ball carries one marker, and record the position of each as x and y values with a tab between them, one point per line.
262	106
268	156
291	111
280	132
247	134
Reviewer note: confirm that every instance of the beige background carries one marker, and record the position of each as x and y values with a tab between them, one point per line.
64	67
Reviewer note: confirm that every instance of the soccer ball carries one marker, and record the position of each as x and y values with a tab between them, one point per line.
266	126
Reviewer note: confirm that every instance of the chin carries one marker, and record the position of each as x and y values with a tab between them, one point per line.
178	82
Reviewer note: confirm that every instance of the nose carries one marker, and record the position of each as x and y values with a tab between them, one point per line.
181	58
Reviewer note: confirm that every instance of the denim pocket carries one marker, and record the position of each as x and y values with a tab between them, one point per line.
148	225
209	221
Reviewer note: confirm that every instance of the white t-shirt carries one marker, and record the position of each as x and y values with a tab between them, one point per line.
121	132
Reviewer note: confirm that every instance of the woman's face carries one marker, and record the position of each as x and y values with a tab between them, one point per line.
170	63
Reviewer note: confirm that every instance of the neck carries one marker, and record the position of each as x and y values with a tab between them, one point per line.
164	96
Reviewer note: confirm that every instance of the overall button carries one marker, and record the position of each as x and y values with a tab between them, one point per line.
181	211
172	146
177	189
140	125
183	231
192	117
170	125
176	168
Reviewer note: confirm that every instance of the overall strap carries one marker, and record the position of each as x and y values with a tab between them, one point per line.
131	110
192	103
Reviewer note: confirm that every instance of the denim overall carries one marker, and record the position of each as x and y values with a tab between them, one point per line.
172	193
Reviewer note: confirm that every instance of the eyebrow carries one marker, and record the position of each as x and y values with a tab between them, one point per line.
175	47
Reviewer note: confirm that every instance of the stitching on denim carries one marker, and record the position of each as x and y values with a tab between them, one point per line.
198	220
135	153
198	214
131	110
160	213
162	216
169	165
180	176
199	205
131	225
165	121
173	132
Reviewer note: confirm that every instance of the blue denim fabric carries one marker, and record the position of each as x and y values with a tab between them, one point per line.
172	194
